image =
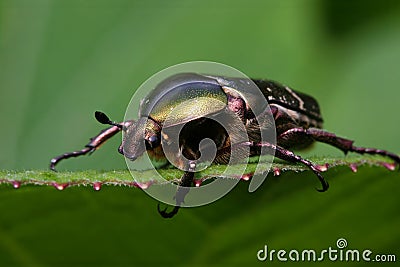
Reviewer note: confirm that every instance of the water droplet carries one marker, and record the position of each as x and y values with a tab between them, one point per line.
353	167
389	166
246	177
323	167
16	184
97	186
277	171
60	186
144	185
198	182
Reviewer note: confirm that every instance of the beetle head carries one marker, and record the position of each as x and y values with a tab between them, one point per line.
141	135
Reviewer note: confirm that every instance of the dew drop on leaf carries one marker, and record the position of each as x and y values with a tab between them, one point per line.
144	185
97	186
323	167
60	186
198	182
246	177
16	184
389	166
353	167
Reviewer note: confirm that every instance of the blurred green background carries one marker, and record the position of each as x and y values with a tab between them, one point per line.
62	60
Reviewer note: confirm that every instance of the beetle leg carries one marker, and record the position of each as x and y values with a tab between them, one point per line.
288	155
343	144
183	189
95	143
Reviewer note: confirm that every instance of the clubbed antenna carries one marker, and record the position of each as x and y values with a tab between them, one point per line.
103	119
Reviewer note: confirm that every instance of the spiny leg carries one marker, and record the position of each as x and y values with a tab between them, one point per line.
343	144
288	155
182	191
54	161
95	142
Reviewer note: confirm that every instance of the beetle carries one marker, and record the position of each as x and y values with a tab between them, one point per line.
297	117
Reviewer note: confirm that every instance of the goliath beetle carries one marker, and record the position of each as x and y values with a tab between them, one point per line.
297	118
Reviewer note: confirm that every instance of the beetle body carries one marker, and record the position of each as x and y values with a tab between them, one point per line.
294	117
290	109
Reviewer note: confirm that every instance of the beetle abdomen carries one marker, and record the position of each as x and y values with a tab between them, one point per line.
292	102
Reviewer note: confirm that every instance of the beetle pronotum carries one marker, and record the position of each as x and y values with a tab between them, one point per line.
297	119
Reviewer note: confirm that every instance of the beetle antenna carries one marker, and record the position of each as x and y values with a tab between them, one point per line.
103	119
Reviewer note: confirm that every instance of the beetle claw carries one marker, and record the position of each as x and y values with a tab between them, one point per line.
324	183
167	214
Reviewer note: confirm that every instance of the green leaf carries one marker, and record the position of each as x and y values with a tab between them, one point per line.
120	226
95	178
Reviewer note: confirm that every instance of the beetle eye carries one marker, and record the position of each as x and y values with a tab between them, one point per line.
152	142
